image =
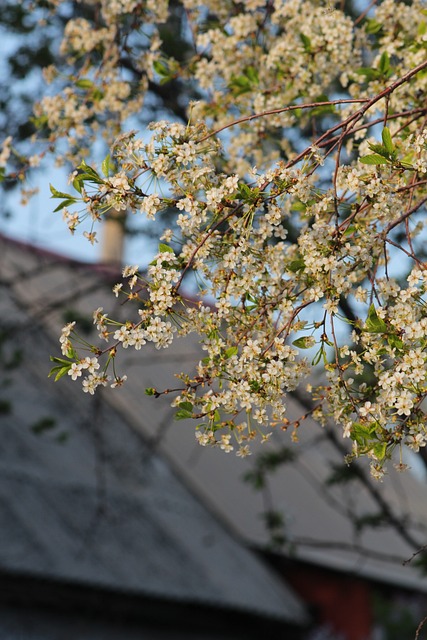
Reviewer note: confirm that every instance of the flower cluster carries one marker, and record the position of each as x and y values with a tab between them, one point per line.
297	190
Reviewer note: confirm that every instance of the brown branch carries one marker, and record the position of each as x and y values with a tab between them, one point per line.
420	626
270	112
405	215
414	555
365	12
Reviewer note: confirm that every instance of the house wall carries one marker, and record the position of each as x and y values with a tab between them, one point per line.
342	602
351	607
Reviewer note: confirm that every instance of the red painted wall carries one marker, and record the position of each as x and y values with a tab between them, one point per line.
341	601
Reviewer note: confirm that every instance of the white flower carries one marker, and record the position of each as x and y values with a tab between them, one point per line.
75	370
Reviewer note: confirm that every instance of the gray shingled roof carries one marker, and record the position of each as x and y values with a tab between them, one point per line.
317	517
103	508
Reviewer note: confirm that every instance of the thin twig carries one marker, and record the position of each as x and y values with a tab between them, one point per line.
420	626
271	112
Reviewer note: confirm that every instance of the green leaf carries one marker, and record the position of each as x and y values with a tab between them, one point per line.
84	83
387	141
374	159
97	94
341	474
252	74
164	248
231	351
373	323
42	425
88	173
380	149
59	371
422	28
106	166
245	82
372	26
150	391
247	193
59	194
255	477
384	64
306	43
182	414
380	450
296	265
186	406
305	342
369	73
161	68
240	85
60	360
363	433
65	203
254	386
395	342
77	184
319	355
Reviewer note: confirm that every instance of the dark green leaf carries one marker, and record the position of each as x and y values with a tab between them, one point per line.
341	474
296	265
186	406
373	520
42	425
5	407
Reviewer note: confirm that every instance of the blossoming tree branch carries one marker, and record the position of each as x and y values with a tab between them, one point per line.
298	186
